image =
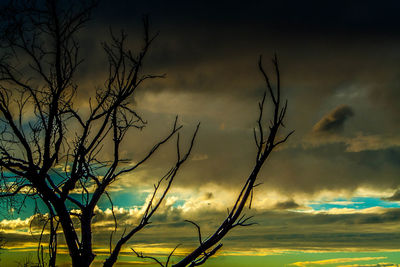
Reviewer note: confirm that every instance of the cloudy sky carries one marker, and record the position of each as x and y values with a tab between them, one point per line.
329	197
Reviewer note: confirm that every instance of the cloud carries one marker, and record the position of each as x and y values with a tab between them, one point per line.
289	204
333	121
334	261
372	210
199	157
381	264
355	142
219	85
310	170
386	95
15	224
343	203
275	229
363	142
394	197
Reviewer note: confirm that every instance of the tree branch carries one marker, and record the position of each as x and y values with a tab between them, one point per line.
264	148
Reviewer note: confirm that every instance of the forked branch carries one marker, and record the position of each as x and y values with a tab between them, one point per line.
264	146
154	202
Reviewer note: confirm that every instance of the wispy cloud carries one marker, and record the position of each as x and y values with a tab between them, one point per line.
381	264
370	210
334	261
197	157
363	142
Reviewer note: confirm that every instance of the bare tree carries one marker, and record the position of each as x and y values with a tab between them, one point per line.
41	128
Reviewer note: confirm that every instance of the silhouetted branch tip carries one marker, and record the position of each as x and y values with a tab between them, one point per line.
170	254
198	230
140	255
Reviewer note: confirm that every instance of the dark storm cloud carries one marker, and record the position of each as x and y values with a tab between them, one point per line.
392	215
295	169
280	229
331	167
333	121
209	52
386	95
213	47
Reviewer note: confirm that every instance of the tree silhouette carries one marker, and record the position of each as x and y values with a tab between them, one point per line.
41	128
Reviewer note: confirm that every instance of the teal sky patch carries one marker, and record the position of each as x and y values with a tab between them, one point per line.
358	203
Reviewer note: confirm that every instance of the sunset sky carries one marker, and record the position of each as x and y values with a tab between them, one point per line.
330	196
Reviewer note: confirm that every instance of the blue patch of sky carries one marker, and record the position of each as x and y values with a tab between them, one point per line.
22	208
26	207
131	198
353	203
178	203
123	199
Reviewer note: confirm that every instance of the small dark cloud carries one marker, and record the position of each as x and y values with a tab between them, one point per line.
208	195
394	197
391	215
334	120
290	204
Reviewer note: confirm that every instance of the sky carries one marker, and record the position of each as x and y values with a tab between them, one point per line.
330	196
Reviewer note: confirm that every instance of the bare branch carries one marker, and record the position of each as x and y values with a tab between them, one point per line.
198	230
264	148
140	255
170	255
174	130
207	255
153	205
